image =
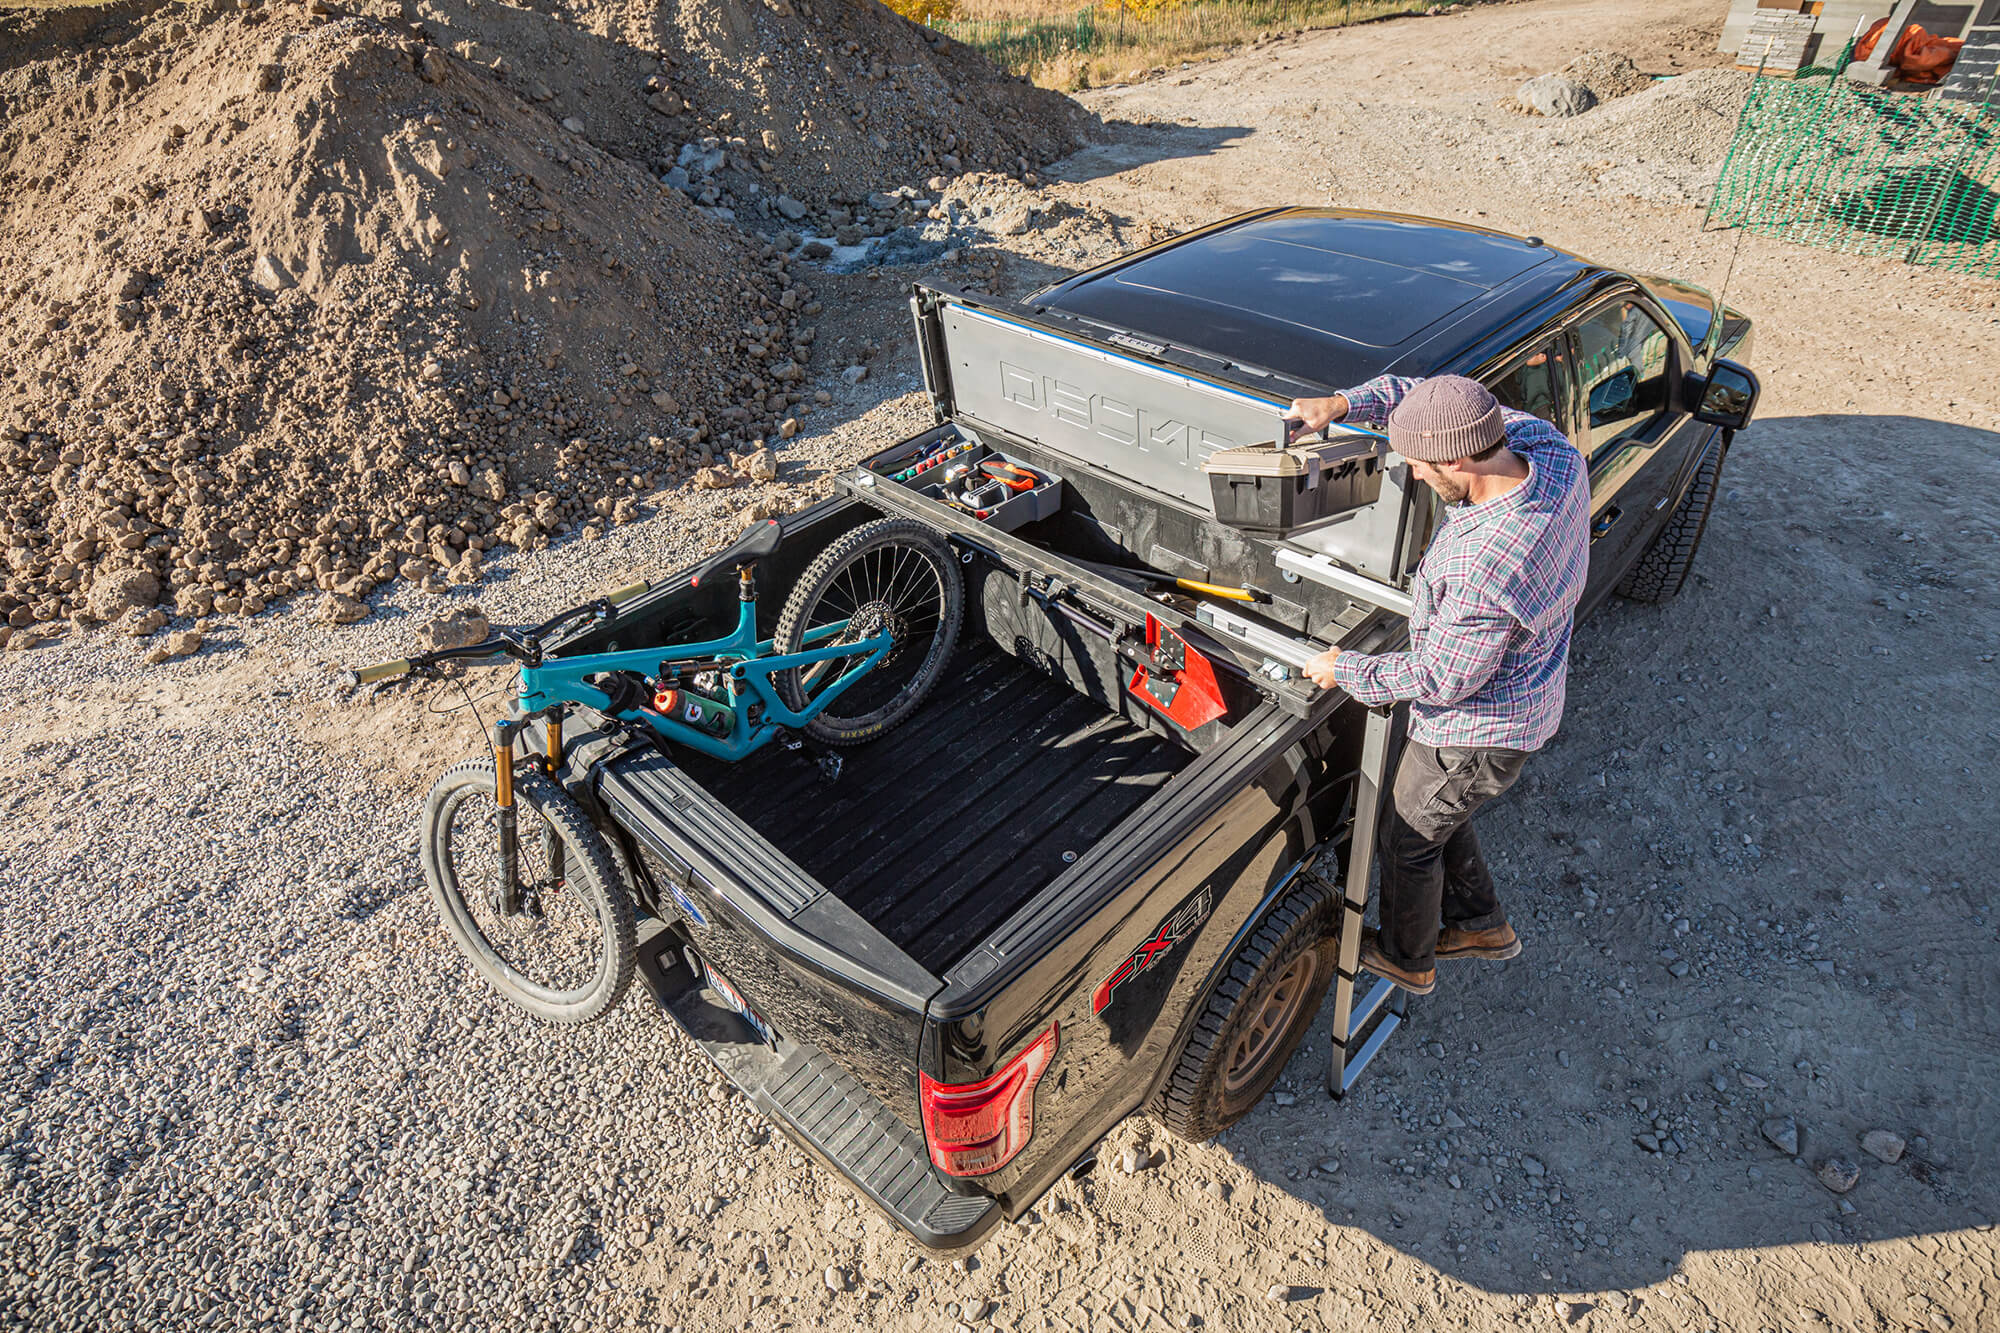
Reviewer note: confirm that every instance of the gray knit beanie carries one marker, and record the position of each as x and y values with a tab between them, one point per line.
1445	419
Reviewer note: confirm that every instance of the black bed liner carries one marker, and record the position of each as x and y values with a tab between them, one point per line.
938	831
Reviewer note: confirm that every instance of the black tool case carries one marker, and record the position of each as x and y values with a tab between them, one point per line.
1276	490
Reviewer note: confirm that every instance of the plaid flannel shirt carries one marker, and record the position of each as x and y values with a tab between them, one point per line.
1495	597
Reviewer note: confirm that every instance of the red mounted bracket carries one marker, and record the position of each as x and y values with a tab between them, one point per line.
1179	682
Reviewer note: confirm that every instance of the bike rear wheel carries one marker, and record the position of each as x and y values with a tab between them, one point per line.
567	956
891	574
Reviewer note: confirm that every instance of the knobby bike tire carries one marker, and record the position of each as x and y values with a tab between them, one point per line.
885	542
588	871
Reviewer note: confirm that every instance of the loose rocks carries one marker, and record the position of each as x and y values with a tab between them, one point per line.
457	630
1883	1145
123	590
178	644
1838	1174
335	609
1783	1133
139	623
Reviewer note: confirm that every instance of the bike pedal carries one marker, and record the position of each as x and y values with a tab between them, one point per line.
829	767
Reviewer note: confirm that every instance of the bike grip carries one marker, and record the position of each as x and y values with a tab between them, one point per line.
368	675
628	592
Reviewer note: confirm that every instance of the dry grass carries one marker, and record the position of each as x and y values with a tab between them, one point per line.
1066	45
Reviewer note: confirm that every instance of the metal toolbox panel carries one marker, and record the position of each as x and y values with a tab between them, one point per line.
1139	421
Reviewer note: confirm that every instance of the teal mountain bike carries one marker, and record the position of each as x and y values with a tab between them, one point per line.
529	889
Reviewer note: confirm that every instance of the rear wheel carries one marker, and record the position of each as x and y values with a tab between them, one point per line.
1660	572
1255	1020
567	955
893	575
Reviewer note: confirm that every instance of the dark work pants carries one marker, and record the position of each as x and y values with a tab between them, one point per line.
1432	869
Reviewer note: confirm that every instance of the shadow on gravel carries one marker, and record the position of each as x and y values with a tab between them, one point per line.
1757	931
1137	145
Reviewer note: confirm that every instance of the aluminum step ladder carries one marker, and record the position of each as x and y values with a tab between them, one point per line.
1361	1029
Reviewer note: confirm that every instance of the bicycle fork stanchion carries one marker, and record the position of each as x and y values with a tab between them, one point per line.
1359	1031
507	892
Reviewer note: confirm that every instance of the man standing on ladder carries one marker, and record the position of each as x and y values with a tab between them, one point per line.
1494	600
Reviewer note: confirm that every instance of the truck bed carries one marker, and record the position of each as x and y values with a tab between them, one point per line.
939	830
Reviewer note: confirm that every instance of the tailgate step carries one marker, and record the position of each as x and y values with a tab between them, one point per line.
809	1095
858	1135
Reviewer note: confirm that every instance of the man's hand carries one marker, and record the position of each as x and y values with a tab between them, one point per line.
1320	669
1317	412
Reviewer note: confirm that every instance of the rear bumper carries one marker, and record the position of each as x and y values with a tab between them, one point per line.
826	1112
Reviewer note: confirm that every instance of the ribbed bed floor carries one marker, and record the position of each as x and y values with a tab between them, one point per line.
939	830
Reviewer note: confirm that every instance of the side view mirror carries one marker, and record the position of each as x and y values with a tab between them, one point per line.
1726	397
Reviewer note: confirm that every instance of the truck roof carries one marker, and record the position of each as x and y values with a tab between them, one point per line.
1327	295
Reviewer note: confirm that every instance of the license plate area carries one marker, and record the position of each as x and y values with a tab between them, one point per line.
733	998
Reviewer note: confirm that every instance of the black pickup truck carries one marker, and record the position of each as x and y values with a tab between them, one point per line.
1052	898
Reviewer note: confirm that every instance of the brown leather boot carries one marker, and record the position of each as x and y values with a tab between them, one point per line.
1499	942
1416	983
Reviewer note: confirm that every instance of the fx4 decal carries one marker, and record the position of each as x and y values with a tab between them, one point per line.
1171	932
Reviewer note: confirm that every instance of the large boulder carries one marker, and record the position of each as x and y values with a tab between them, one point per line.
1555	95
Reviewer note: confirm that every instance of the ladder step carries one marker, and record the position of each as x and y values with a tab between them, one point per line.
1378	995
1351	1072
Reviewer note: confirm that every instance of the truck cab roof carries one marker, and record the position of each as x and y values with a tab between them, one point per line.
1325	295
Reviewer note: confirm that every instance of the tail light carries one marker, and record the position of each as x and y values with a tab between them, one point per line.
976	1128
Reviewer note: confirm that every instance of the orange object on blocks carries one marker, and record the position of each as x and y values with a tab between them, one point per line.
1920	57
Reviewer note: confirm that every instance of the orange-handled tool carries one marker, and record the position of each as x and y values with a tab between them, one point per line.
1013	478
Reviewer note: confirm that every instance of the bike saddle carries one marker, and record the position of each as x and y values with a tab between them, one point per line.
759	543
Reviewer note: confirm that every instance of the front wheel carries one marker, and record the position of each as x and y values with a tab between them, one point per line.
1659	573
567	954
894	575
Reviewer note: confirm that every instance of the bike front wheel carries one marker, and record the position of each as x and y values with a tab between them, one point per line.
567	954
892	574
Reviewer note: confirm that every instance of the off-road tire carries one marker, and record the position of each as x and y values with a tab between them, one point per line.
835	727
589	873
1197	1101
1660	572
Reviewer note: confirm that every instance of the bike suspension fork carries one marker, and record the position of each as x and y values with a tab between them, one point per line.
507	893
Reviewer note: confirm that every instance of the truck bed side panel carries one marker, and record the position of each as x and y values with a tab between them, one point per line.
1207	865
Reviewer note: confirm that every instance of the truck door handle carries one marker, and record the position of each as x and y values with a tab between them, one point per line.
1605	522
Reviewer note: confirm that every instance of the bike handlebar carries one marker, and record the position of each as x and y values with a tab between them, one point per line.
523	646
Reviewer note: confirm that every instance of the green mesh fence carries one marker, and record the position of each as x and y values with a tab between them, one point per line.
1823	161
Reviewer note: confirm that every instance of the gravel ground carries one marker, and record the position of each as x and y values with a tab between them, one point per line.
246	1082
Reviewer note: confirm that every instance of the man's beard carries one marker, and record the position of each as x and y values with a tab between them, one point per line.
1450	491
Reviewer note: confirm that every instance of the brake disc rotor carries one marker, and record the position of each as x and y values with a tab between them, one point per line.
872	619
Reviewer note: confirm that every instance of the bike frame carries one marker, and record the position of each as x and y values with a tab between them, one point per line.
561	681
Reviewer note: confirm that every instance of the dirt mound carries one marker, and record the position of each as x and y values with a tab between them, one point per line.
1664	144
818	102
298	299
1608	74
